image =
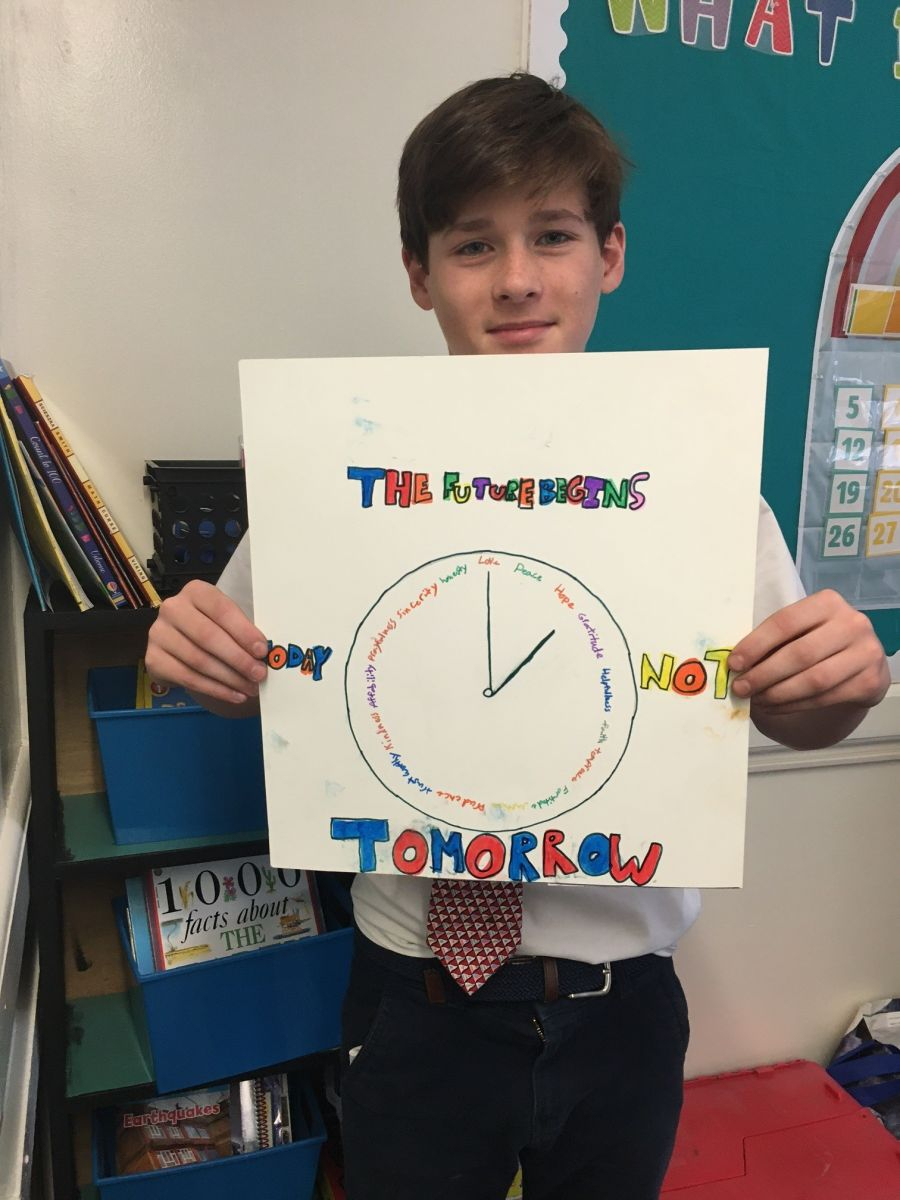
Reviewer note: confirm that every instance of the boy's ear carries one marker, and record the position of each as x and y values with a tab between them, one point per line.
418	280
613	254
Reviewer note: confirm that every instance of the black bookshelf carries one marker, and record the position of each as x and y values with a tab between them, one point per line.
56	1019
93	1050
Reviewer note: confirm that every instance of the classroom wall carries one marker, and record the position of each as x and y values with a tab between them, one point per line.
188	184
191	184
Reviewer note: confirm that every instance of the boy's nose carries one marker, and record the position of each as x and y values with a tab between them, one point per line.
518	278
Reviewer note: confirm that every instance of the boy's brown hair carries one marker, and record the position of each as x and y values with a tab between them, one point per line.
499	133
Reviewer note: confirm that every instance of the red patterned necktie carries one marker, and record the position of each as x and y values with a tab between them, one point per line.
474	927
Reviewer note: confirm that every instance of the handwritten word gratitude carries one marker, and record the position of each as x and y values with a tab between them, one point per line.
592	635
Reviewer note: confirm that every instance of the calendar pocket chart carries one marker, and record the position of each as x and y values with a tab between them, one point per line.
500	594
849	536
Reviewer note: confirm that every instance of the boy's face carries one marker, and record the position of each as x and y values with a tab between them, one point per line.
518	275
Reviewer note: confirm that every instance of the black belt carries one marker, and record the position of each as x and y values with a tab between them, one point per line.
521	978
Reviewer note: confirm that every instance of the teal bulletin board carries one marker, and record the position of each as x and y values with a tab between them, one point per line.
752	126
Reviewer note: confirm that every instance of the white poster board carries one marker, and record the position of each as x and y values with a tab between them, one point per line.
499	593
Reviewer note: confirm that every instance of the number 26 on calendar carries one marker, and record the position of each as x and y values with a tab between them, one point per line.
842	537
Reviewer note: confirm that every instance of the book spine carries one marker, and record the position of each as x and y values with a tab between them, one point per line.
136	910
313	886
95	528
30	394
32	439
40	533
159	954
18	521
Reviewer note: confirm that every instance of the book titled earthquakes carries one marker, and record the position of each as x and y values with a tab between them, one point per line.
203	1124
199	911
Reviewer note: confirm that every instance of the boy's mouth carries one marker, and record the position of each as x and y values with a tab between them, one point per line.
518	333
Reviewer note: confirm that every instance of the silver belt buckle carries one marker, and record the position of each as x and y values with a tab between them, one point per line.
604	991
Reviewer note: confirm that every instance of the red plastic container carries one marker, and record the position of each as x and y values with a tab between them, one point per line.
785	1132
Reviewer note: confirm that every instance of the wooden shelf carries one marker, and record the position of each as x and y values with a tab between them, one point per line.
108	1052
87	842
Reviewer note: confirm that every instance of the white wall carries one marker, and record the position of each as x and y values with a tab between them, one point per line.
186	184
777	969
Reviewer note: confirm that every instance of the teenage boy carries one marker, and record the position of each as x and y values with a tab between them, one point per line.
570	1057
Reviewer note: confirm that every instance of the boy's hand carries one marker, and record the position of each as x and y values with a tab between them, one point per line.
817	654
202	641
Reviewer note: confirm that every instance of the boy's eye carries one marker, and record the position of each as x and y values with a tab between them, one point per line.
473	248
554	237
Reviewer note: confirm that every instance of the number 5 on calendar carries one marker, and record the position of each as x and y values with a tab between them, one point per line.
853	407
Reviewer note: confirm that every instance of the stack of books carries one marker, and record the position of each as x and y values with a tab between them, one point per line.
65	530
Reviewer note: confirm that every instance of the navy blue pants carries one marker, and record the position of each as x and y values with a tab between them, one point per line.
444	1100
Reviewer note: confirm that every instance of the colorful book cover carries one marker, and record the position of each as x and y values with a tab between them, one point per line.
96	527
80	480
30	437
68	543
203	1124
174	1131
40	535
201	911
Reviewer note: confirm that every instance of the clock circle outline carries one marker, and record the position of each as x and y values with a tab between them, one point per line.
540	820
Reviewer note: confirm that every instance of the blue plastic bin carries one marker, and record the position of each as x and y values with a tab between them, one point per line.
282	1173
237	1015
174	772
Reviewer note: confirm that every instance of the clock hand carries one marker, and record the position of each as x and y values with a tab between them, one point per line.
489	690
493	691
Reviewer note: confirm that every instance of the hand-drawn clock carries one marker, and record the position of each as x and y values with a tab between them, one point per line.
490	690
